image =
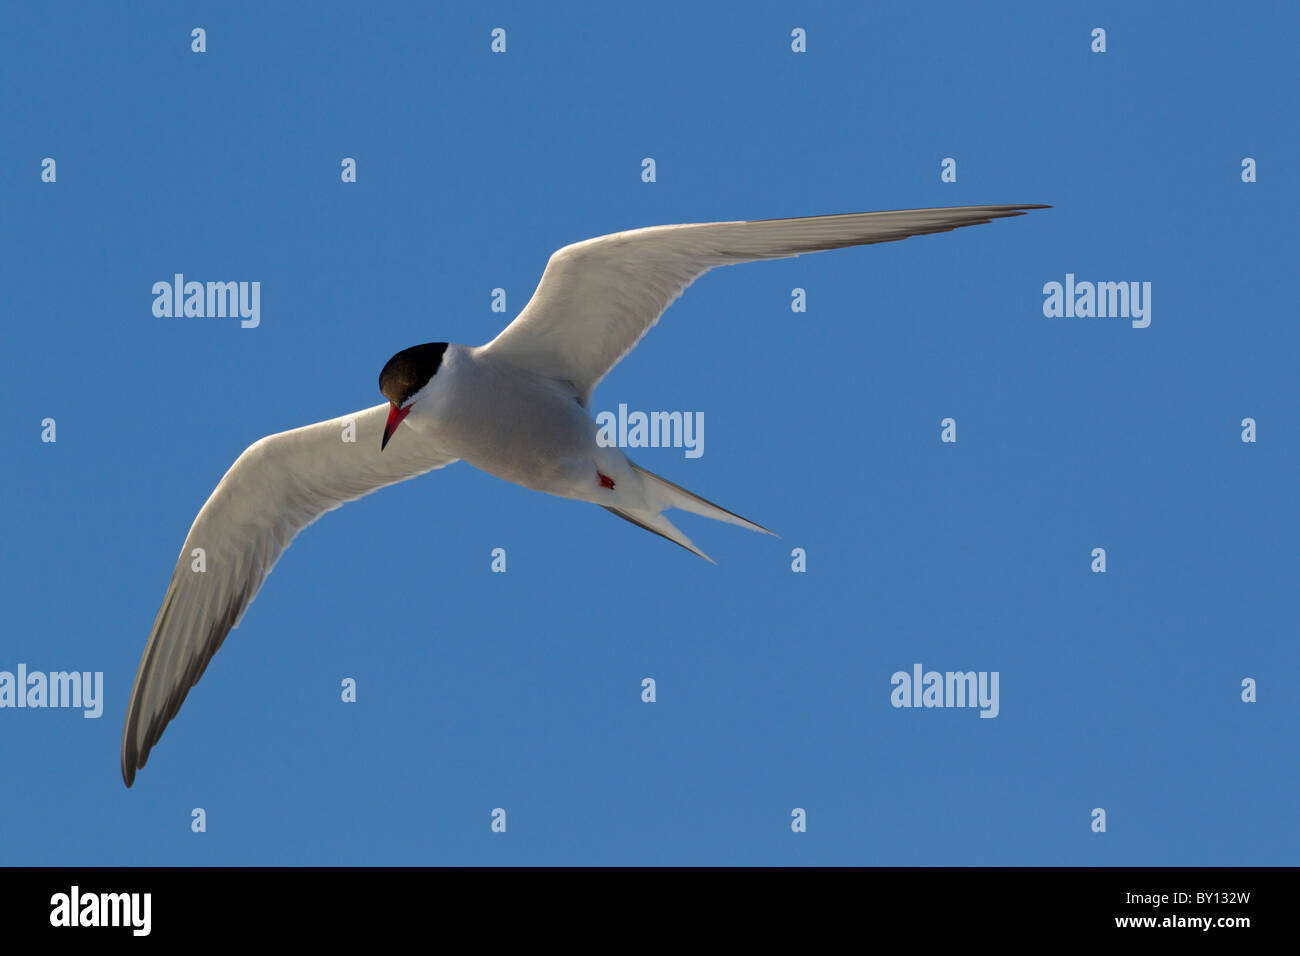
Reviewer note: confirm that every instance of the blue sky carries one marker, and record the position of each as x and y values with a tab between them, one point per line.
522	690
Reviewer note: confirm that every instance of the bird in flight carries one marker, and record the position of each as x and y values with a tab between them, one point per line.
516	408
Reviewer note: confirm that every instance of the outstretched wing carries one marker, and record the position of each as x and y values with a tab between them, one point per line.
598	297
277	487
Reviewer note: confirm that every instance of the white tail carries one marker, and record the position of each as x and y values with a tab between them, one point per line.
675	496
662	493
661	526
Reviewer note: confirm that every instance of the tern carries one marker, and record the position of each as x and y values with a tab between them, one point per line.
516	408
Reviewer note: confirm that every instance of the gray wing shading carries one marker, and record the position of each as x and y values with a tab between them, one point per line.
277	487
597	298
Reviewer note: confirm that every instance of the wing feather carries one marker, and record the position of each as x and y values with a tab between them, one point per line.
597	298
277	487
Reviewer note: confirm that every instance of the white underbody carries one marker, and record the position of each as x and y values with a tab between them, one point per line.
522	427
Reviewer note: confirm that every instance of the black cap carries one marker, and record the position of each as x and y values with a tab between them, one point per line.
410	370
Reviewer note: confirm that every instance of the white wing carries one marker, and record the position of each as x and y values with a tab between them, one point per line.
276	488
598	297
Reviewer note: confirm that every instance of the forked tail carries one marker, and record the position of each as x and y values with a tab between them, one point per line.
675	496
661	494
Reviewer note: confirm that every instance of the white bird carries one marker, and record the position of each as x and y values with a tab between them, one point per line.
515	407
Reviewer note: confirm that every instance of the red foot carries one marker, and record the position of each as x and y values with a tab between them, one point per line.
605	480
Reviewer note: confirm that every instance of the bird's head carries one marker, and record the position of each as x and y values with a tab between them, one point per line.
404	378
